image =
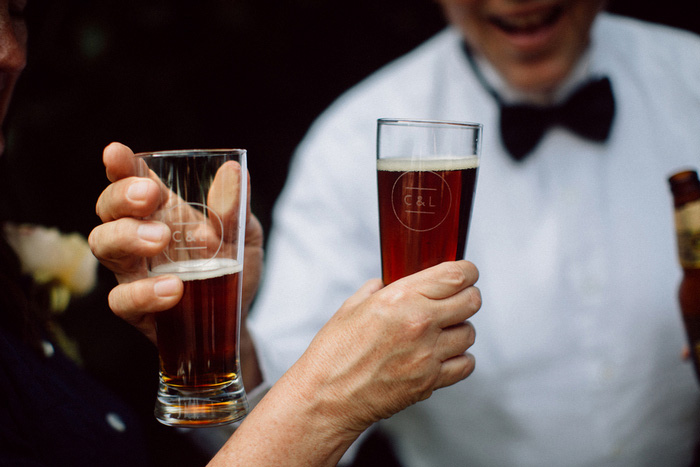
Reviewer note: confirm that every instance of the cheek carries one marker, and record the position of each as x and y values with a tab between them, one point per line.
579	32
461	11
466	15
584	13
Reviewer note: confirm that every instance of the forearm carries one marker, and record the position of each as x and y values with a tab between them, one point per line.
290	426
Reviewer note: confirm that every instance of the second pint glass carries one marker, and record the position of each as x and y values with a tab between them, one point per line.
203	202
426	175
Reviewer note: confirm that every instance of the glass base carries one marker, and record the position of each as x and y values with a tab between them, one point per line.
201	407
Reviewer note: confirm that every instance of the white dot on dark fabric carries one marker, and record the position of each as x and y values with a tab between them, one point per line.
48	349
116	422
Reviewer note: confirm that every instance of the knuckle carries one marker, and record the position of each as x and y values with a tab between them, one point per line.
472	334
473	271
93	241
99	207
418	321
104	208
471	365
419	375
405	309
475	297
393	301
425	392
424	387
124	228
456	276
115	300
396	295
135	298
126	298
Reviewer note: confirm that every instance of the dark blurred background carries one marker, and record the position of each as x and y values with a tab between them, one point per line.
166	74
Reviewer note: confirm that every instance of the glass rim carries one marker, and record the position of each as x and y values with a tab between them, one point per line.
190	152
429	123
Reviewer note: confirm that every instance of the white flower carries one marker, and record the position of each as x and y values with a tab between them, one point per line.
64	261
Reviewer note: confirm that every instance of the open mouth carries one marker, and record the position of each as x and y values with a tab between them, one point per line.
526	24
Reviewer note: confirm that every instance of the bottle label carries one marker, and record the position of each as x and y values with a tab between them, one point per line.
688	232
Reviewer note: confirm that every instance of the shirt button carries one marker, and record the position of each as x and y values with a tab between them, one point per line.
116	422
47	348
607	372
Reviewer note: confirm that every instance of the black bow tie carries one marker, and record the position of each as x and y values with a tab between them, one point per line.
588	112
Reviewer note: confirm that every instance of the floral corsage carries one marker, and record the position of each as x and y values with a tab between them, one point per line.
60	261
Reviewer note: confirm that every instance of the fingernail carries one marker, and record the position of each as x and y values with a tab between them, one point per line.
137	191
166	287
150	232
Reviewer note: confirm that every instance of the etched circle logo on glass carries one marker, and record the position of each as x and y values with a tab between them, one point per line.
196	233
421	200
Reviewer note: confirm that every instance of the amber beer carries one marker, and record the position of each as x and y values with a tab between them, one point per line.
424	212
197	339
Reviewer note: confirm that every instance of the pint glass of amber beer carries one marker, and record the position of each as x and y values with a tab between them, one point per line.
203	202
426	175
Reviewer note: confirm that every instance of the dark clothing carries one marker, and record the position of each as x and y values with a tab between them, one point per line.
53	414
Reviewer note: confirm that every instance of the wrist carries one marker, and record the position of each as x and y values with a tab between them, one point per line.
314	413
288	427
326	401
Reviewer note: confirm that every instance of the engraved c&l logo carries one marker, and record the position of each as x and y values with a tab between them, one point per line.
421	200
196	232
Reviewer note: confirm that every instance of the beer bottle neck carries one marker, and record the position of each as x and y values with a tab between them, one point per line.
685	187
693	273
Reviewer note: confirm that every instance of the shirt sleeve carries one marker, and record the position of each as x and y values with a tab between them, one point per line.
323	245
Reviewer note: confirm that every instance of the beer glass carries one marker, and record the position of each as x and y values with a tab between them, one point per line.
426	178
203	202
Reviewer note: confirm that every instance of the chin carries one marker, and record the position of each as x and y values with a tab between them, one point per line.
538	83
540	76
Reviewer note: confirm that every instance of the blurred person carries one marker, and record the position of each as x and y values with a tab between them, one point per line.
572	228
53	413
580	333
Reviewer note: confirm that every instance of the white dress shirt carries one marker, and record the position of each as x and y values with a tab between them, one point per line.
579	338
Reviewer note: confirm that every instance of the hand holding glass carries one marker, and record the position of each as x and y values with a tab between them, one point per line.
203	202
426	175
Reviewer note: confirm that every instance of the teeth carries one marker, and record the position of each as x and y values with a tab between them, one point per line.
527	23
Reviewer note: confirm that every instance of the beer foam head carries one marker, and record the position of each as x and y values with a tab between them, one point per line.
400	164
195	270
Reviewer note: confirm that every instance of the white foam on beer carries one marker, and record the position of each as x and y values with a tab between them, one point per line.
194	270
399	164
